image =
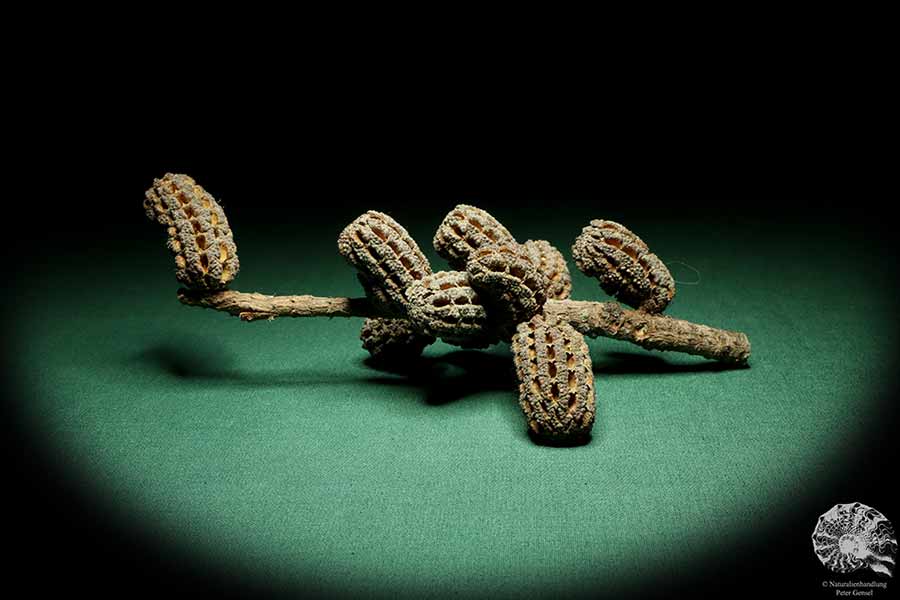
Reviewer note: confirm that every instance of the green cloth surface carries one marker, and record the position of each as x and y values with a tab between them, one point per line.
274	451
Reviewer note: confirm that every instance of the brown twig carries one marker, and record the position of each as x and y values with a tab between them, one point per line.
252	306
654	332
606	319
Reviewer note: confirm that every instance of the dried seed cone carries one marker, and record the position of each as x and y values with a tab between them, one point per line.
384	253
511	285
624	265
556	379
381	298
551	263
393	340
445	305
199	235
466	229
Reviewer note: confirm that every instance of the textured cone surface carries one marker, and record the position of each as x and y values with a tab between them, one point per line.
199	235
466	229
624	265
446	306
382	250
510	283
556	379
380	297
552	264
393	340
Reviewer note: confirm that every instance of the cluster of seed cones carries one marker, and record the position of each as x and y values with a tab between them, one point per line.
498	290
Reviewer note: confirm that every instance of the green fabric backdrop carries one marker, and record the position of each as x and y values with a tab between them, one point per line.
274	451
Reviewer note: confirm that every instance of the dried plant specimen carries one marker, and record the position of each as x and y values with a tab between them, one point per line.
624	265
199	235
393	340
382	250
513	287
446	306
552	264
509	292
466	229
556	379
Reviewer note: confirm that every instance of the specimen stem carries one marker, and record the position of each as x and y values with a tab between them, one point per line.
251	306
654	332
594	319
